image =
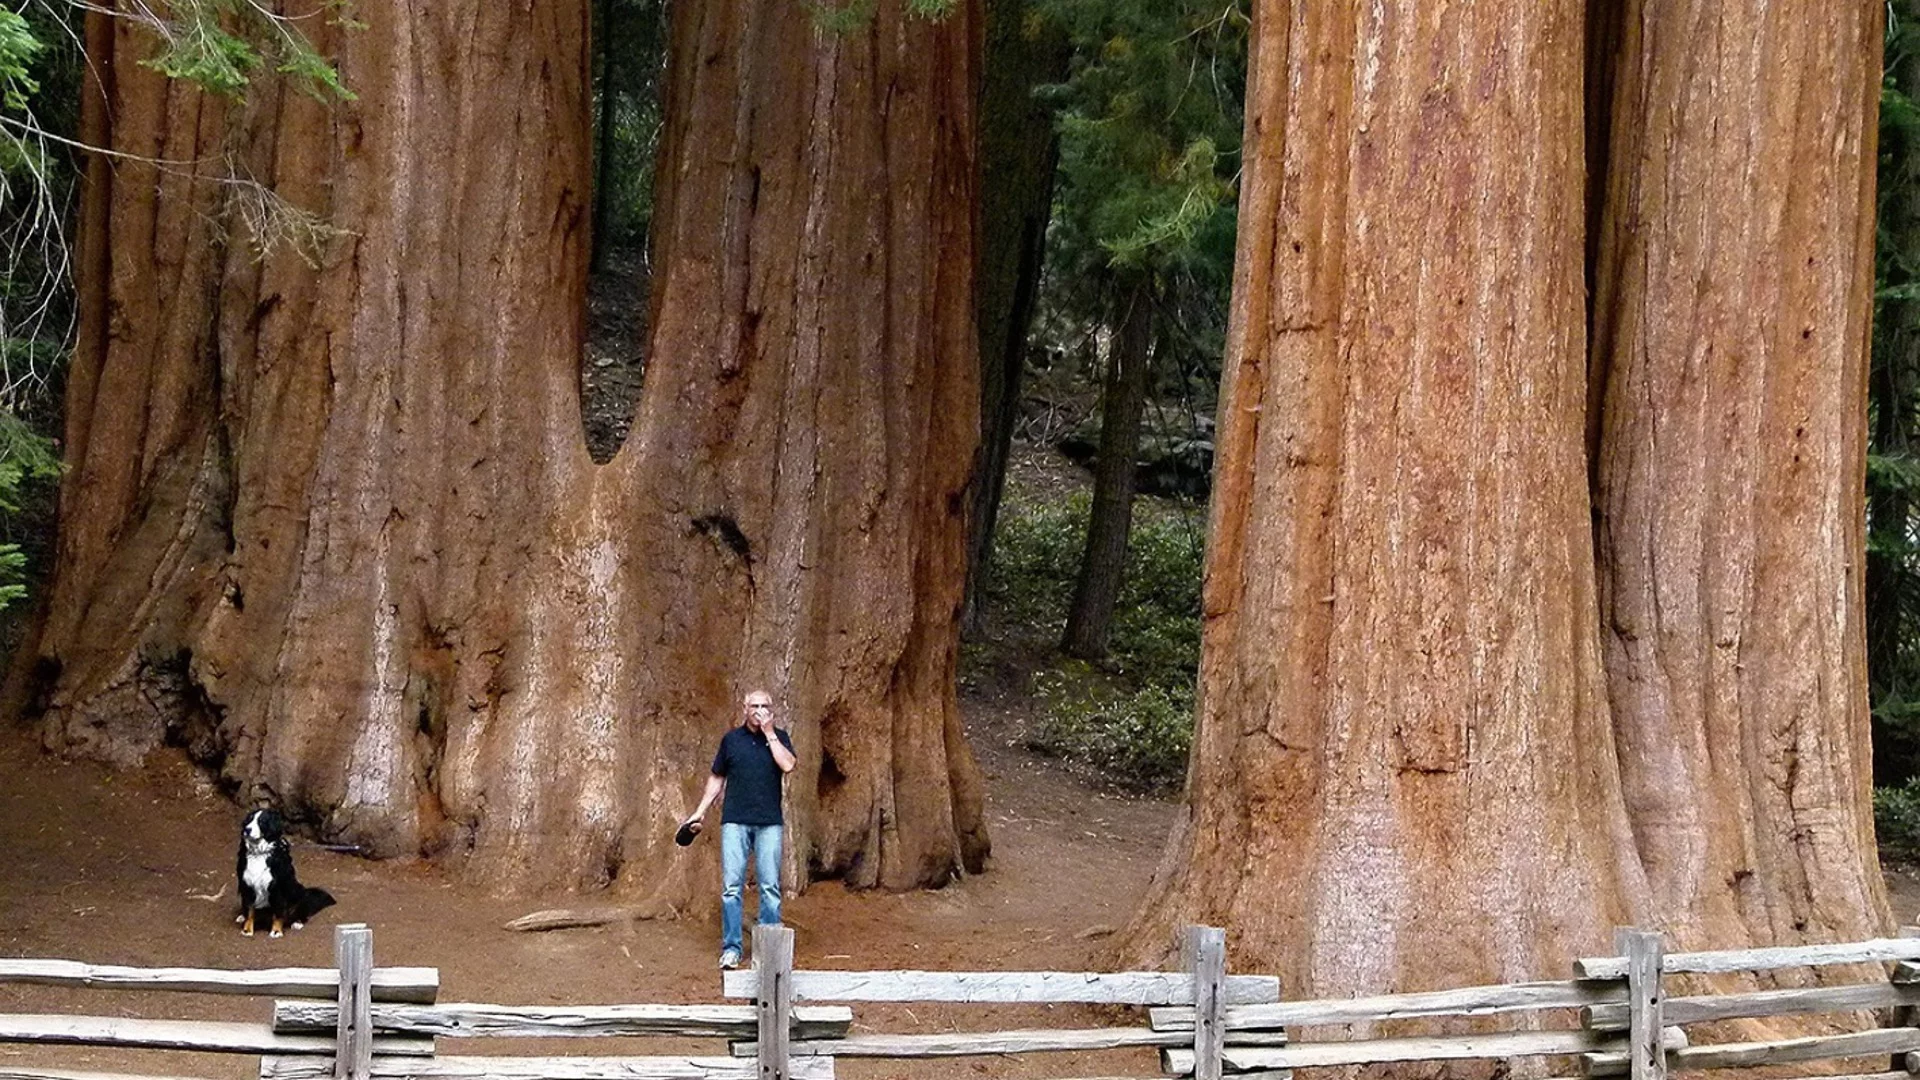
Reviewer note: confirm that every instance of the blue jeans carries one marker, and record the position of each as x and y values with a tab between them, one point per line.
735	840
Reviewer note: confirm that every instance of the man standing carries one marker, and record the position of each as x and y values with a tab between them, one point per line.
752	760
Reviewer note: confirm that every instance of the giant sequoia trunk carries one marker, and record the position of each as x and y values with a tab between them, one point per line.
1402	775
1731	307
335	527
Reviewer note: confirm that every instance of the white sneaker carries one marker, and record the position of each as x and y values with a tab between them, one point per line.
729	959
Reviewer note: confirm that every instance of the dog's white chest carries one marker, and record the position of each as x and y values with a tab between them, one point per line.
257	877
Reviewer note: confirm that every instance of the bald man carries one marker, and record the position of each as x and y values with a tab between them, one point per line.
754	757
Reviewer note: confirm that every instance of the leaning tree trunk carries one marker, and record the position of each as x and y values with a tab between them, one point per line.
334	527
1731	322
1103	561
1402	775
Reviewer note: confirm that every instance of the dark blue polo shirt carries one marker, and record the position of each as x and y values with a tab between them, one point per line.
753	777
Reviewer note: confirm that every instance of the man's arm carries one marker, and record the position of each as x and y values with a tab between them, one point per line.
715	785
782	756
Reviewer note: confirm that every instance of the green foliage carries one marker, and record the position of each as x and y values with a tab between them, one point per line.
1156	630
220	44
1139	740
1149	120
25	456
18	47
1896	819
40	66
1893	460
837	18
1149	134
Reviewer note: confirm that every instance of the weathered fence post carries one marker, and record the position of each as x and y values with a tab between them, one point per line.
773	976
353	1049
1646	1043
1205	950
1906	972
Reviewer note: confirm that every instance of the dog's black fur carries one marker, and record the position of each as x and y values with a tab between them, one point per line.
264	869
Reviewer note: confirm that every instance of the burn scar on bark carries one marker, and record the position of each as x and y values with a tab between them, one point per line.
722	529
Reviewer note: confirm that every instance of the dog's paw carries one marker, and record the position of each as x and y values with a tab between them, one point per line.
274	933
299	926
240	918
246	932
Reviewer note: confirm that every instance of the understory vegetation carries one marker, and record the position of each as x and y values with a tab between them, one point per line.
1127	718
1893	466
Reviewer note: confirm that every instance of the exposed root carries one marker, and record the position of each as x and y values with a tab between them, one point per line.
564	918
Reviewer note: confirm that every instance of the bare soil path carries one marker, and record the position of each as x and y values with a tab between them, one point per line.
137	868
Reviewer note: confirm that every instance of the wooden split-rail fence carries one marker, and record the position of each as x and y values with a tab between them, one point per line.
1612	1018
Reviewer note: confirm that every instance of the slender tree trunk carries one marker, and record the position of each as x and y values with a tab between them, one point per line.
1018	149
1103	563
1402	775
342	537
1732	306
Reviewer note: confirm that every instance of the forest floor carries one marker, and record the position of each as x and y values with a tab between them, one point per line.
115	867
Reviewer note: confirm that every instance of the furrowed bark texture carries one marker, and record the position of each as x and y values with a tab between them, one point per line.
341	536
825	399
1403	775
1731	329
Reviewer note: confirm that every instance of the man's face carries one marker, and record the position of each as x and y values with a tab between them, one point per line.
759	711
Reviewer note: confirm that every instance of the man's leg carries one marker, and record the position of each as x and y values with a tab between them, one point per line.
733	882
767	841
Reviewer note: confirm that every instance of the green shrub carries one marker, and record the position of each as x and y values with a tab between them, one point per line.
1139	740
1036	552
25	457
1155	639
1896	818
1131	717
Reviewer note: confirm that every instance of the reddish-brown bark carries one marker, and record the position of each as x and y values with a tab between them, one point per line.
1403	775
1730	344
354	552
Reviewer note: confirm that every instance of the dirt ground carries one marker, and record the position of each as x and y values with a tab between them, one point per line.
137	868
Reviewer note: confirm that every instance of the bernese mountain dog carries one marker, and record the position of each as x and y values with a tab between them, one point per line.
267	881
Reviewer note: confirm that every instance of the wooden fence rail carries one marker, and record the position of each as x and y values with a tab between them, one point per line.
465	1020
414	984
360	1022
